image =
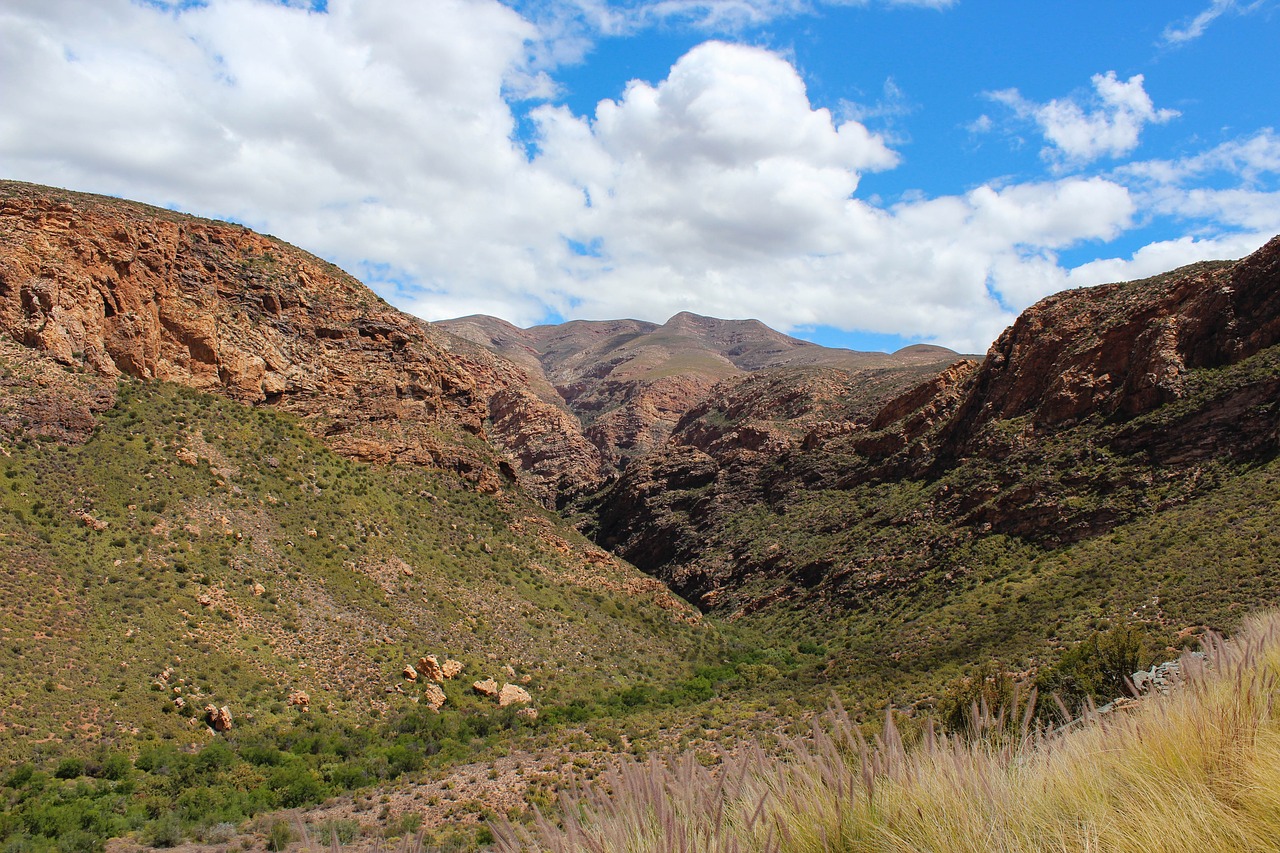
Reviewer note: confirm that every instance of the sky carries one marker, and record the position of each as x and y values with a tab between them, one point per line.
862	173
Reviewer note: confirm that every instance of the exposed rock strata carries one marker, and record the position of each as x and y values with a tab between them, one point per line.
631	382
1093	400
124	289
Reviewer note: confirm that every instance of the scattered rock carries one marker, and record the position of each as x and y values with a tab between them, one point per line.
488	687
511	694
1162	677
94	523
187	456
300	700
527	714
433	695
259	589
410	673
451	668
219	718
430	667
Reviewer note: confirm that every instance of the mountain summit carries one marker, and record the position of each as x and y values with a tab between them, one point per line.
630	381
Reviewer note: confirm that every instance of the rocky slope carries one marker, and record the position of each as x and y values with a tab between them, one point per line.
630	382
125	289
1096	407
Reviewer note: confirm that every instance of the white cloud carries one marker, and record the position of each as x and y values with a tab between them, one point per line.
377	130
723	190
1164	255
1248	159
717	16
380	134
1109	124
1176	34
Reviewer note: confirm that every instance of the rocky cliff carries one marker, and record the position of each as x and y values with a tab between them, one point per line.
1096	407
125	289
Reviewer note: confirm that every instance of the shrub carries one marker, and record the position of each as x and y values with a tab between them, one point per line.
969	701
1098	668
279	836
69	768
164	831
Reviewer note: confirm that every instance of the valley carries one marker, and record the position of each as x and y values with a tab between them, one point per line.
233	477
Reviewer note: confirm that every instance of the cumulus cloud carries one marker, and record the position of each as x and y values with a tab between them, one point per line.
1108	124
373	130
722	189
381	134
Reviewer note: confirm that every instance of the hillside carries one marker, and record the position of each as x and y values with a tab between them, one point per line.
629	382
165	552
193	584
124	289
1112	459
234	478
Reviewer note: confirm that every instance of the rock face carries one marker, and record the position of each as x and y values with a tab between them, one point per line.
1091	402
125	289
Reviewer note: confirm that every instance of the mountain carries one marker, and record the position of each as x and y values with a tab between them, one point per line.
241	501
232	477
629	382
123	289
1113	458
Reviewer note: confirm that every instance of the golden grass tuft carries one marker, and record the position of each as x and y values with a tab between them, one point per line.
1197	770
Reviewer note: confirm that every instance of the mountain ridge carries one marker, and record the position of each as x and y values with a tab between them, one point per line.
630	381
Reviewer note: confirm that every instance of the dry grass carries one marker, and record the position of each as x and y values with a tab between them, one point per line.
1198	770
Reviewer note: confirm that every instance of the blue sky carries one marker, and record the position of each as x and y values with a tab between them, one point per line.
866	174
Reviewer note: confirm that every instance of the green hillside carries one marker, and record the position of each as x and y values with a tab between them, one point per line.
195	551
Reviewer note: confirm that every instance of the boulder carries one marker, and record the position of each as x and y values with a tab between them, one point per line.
410	673
451	668
510	694
488	687
219	718
433	695
430	667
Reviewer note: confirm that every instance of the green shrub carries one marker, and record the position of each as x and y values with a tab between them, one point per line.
969	702
279	836
164	831
1098	668
69	768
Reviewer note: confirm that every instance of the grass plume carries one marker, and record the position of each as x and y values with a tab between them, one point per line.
1196	770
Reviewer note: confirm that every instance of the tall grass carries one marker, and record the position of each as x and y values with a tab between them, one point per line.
1197	770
